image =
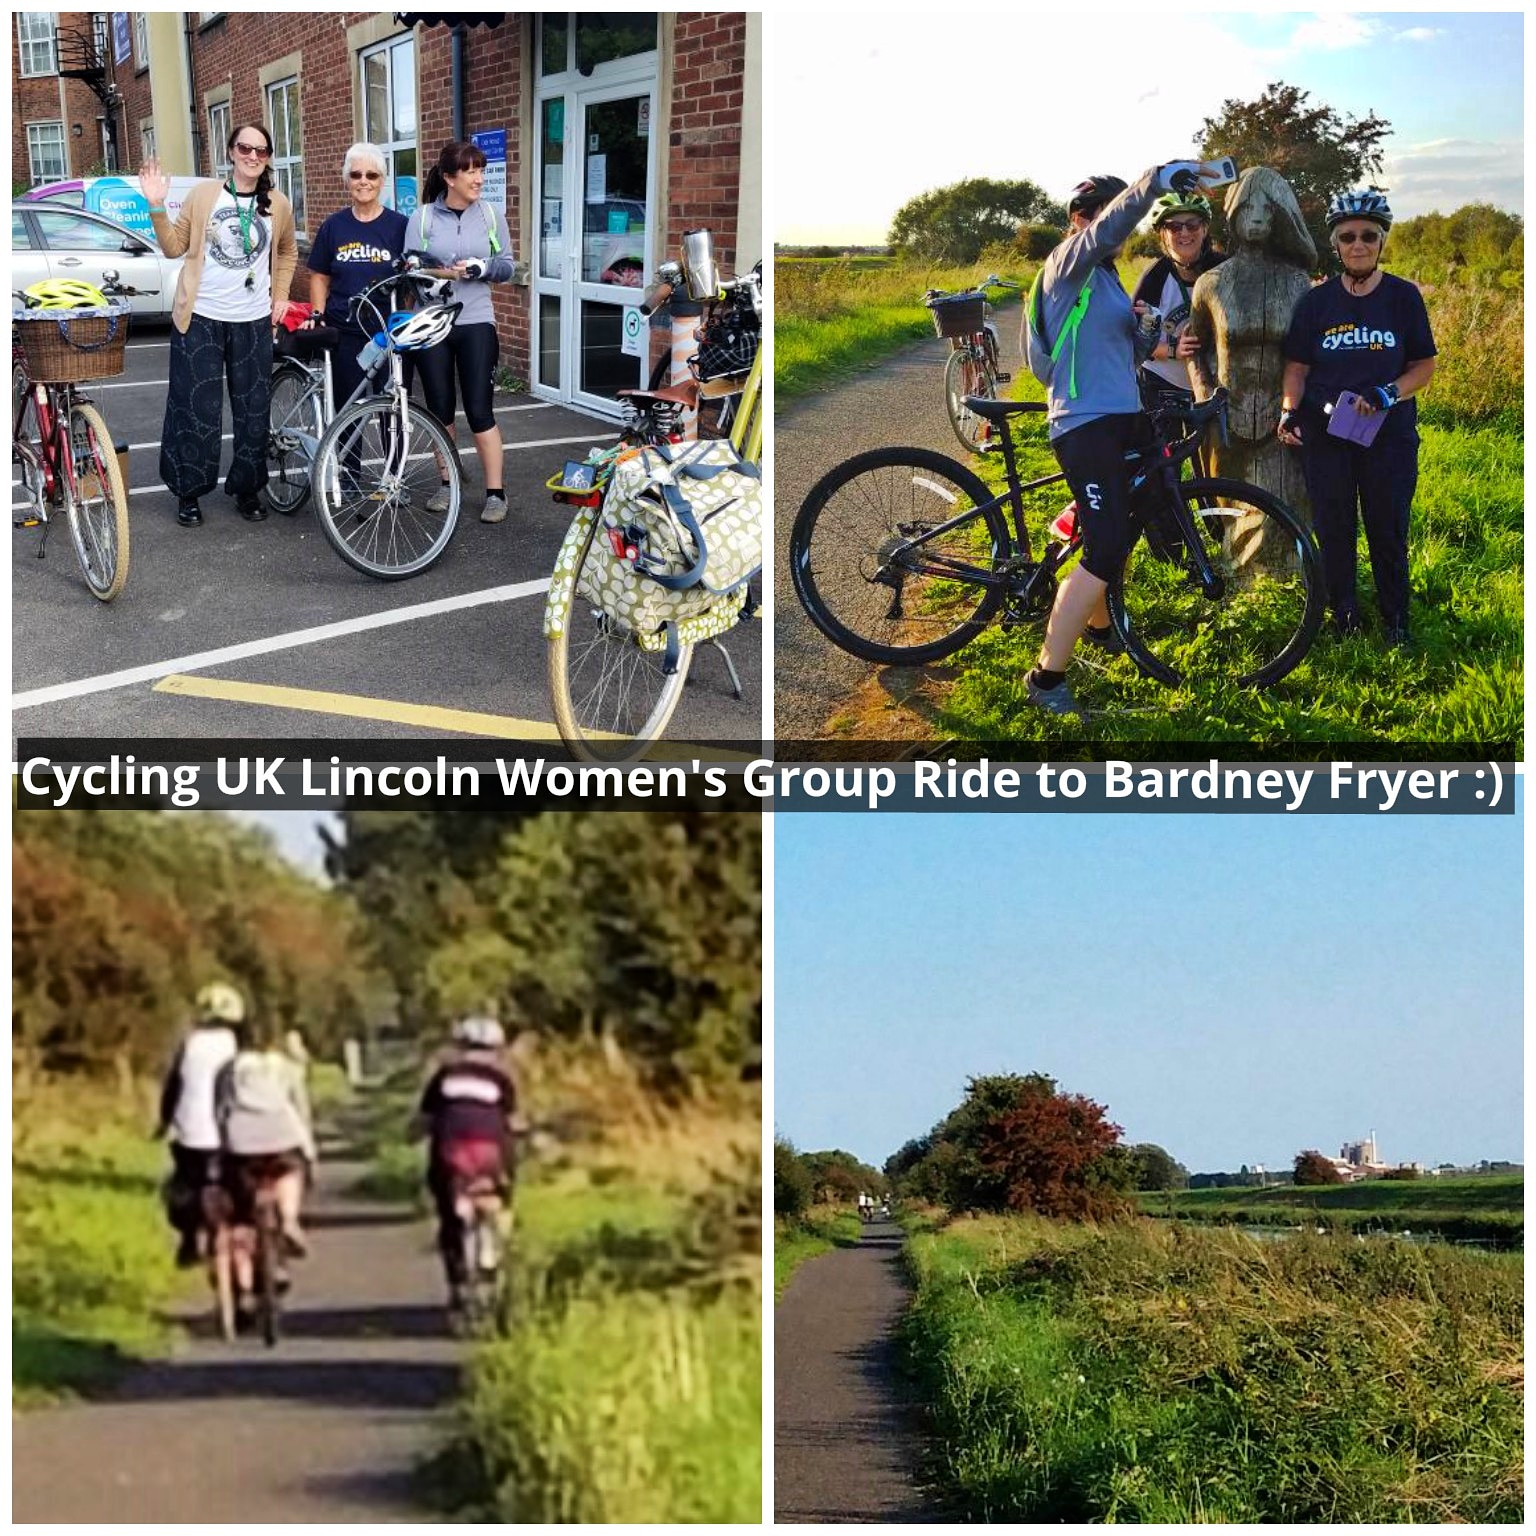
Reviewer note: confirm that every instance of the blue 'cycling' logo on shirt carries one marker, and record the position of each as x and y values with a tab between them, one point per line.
1357	338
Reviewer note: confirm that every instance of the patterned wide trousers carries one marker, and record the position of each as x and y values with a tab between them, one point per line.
209	354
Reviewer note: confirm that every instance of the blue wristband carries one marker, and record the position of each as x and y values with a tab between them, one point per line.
1386	396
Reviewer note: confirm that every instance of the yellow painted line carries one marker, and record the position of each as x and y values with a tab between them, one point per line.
430	717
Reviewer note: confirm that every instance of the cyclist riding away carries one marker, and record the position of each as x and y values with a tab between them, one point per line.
467	1112
267	1136
1085	340
187	1110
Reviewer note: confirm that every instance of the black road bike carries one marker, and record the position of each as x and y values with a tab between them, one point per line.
902	556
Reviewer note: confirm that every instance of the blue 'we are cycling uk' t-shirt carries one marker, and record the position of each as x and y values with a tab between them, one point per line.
354	254
1350	342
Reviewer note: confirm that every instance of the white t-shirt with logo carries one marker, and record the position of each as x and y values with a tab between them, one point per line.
231	257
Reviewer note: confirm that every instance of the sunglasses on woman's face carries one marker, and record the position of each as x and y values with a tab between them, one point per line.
1183	226
1359	237
259	151
366	175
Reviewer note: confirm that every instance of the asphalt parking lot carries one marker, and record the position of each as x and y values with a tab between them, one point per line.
258	630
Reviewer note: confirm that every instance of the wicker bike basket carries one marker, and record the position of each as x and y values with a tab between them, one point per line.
961	314
73	346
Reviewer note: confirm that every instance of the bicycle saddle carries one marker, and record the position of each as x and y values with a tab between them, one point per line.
998	411
686	394
308	343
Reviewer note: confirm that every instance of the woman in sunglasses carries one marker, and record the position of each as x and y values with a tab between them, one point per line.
356	247
1182	223
1365	333
238	239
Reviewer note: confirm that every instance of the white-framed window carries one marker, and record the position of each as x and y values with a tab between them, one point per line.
36	43
586	40
283	121
218	139
388	82
99	35
146	142
45	152
140	40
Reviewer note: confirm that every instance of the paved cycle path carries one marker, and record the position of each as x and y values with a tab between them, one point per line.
327	1427
898	401
845	1445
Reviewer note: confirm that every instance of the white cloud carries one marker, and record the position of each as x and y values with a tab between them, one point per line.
1420	34
1333	31
1441	175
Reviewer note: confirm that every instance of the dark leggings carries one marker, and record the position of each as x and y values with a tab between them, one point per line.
470	352
1380	482
210	354
1093	459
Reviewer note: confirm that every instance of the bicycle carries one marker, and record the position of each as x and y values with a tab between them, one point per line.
903	556
972	368
265	1241
60	446
613	690
379	461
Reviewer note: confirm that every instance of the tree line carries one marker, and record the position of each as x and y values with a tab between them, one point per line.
805	1179
641	929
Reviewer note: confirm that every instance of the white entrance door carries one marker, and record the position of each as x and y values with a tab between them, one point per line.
597	222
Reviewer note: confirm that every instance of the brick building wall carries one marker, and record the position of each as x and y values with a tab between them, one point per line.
36	99
704	139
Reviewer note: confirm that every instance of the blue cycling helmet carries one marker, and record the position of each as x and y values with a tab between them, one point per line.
1359	205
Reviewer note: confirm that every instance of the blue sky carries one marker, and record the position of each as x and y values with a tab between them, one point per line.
296	832
866	106
1235	988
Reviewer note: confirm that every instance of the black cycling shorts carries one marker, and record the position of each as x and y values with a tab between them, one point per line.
470	353
1093	459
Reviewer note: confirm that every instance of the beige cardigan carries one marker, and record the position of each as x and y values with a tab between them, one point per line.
177	240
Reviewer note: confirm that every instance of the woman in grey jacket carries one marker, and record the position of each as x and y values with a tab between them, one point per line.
1085	340
463	233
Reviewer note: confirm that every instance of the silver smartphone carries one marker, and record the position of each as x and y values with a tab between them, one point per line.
1225	170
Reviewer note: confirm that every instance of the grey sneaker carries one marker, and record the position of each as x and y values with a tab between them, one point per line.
438	501
495	509
1054	701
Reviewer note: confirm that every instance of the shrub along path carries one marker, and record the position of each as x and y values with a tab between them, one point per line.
327	1427
845	1449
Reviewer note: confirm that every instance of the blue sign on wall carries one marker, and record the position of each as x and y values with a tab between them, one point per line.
122	37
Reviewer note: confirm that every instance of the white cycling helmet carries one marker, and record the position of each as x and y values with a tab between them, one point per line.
411	329
220	1003
479	1031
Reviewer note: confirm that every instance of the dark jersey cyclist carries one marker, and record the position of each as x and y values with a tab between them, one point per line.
1366	332
1085	340
467	1111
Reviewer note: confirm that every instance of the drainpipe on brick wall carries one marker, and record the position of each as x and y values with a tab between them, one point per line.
187	29
456	58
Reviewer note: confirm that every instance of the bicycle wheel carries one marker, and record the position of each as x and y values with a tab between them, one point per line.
861	578
1261	614
98	506
27	475
268	1248
297	424
967	374
374	477
611	698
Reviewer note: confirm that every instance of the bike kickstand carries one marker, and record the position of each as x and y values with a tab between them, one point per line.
730	666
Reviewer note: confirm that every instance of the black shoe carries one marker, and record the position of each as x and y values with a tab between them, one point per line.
251	509
187	1256
188	513
1399	637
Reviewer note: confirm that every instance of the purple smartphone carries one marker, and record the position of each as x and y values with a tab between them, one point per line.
1346	422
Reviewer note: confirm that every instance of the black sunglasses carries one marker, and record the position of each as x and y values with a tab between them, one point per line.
366	175
260	151
1359	237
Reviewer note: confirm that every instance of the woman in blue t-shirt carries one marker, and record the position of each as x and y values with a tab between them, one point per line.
1367	332
355	247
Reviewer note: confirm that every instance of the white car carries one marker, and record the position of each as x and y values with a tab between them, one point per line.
51	241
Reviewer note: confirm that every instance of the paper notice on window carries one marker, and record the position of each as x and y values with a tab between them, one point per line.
597	178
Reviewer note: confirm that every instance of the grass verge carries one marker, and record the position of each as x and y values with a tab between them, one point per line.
1143	1373
814	1233
91	1265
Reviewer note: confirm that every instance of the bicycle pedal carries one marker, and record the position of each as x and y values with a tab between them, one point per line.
30	520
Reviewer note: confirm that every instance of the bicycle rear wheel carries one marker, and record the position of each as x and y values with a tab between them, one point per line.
373	479
297	424
864	582
268	1266
27	475
98	504
967	374
1260	617
611	698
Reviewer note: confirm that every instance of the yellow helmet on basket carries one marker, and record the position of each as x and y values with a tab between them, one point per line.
64	293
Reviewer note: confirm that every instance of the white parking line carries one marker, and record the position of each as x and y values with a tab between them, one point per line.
227	653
